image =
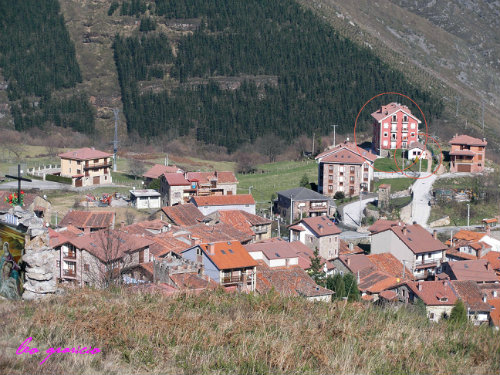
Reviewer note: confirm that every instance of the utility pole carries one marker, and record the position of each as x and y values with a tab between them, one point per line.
360	192
468	214
279	229
115	141
334	134
312	152
291	209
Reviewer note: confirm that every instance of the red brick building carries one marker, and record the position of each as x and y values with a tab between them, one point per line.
467	154
345	168
395	127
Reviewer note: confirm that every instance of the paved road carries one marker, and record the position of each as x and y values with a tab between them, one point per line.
35	184
421	196
351	213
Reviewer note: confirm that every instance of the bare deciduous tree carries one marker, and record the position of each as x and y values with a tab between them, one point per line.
136	167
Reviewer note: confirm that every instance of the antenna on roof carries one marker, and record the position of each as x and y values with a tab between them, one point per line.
115	141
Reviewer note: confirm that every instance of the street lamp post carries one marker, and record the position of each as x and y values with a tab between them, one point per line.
468	214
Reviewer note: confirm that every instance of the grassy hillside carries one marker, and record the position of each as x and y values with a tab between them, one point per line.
219	333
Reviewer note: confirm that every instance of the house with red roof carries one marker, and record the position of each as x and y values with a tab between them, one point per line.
157	170
467	154
345	168
418	150
317	232
227	263
212	203
394	127
178	188
183	214
479	271
93	258
86	166
412	245
258	227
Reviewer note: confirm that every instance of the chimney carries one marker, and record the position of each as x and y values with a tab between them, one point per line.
495	294
211	248
348	261
488	266
405	231
351	246
435	234
484	298
195	241
122	224
488	231
419	285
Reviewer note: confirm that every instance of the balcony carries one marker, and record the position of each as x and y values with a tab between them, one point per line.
430	261
260	230
97	166
70	256
69	273
235	279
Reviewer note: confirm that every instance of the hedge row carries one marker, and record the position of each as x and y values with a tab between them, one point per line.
61	179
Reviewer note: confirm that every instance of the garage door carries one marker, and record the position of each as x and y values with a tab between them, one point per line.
463	168
97	180
78	182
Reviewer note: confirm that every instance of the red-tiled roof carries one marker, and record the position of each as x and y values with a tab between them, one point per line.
467	140
320	226
184	214
293	281
494	258
242	220
475	270
382	224
388	295
273	250
344	248
416	238
158	169
418	145
217	232
192	281
434	293
229	255
377	282
85	153
108	245
470	293
454	253
176	179
495	311
224	200
388	263
350	152
165	243
468	235
88	219
389	109
225	177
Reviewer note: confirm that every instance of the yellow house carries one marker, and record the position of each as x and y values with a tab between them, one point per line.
86	166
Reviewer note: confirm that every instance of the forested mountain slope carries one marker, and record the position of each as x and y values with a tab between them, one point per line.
39	68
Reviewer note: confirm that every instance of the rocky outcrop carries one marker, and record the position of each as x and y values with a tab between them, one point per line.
39	257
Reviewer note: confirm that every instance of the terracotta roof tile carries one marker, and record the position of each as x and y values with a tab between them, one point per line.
416	238
85	153
350	152
494	258
470	293
225	177
217	232
88	219
495	311
382	224
345	250
388	263
242	220
184	214
224	200
229	255
389	109
434	293
321	226
158	169
475	270
192	281
467	140
176	179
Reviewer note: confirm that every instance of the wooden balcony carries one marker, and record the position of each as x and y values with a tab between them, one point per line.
235	279
69	273
70	256
97	166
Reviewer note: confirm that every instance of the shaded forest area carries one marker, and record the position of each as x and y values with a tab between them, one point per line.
322	79
37	58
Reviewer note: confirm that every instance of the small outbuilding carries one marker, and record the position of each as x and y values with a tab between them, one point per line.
145	199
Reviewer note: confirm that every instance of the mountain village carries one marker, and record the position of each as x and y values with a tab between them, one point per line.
344	240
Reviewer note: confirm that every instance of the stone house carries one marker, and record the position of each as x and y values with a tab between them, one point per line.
258	227
86	167
89	221
345	168
412	245
157	170
467	154
306	203
317	233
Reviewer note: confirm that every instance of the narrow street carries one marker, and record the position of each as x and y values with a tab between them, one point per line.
421	196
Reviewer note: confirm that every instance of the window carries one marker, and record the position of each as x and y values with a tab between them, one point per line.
386	125
341	184
353	169
78	162
330	178
58	263
352	179
479	157
405	118
386	134
413	125
330	168
70	170
431	316
86	267
141	256
330	187
412	134
394	118
393	136
96	161
385	143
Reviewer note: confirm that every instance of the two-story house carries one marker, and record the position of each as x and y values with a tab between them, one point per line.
89	221
317	233
394	127
256	226
210	204
227	263
467	154
86	166
157	170
412	245
345	168
302	202
178	188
